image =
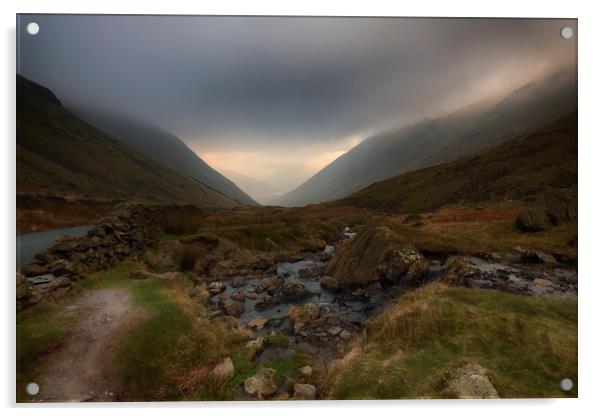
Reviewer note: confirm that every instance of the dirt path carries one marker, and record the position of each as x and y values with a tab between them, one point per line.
83	368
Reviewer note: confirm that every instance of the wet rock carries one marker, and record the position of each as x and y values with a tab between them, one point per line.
251	295
257	323
417	273
329	283
238	296
31	270
470	382
262	384
234	309
224	370
238	281
294	292
533	219
397	263
306	370
304	391
216	287
345	335
458	271
335	330
300	316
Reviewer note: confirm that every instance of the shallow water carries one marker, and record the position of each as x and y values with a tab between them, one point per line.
352	310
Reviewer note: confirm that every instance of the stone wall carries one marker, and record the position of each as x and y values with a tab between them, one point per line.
125	233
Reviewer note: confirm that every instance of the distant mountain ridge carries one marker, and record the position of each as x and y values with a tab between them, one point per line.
60	154
434	141
166	148
522	168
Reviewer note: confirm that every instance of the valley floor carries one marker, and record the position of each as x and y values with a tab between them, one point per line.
234	305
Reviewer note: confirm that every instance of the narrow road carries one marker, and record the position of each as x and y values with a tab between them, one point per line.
83	367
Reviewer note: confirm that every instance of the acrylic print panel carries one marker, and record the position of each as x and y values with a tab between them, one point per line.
291	208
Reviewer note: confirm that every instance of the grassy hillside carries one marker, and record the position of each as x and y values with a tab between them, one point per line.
57	153
518	169
441	140
166	148
526	344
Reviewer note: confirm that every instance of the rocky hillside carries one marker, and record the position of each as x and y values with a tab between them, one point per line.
58	153
521	168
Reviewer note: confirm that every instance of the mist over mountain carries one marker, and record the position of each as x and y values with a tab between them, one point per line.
433	141
59	154
167	148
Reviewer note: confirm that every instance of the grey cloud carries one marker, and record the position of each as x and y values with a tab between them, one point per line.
228	82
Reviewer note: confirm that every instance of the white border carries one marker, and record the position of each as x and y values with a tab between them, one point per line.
590	35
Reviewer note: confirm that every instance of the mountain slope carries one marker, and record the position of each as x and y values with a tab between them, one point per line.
61	154
434	141
518	169
168	149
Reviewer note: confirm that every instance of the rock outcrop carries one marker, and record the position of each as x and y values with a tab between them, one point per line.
470	382
375	254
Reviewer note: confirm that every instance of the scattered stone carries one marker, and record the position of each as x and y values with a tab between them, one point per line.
251	295
329	283
306	370
304	391
257	323
234	309
345	335
216	287
470	382
224	370
238	296
238	281
542	282
334	330
256	345
262	384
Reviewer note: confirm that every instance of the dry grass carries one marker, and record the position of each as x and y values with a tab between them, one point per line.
528	345
181	223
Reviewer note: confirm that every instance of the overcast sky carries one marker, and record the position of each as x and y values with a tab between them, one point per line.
279	98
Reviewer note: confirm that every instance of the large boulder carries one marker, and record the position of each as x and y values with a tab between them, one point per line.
34	270
560	205
532	219
458	271
470	382
375	254
262	384
304	391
